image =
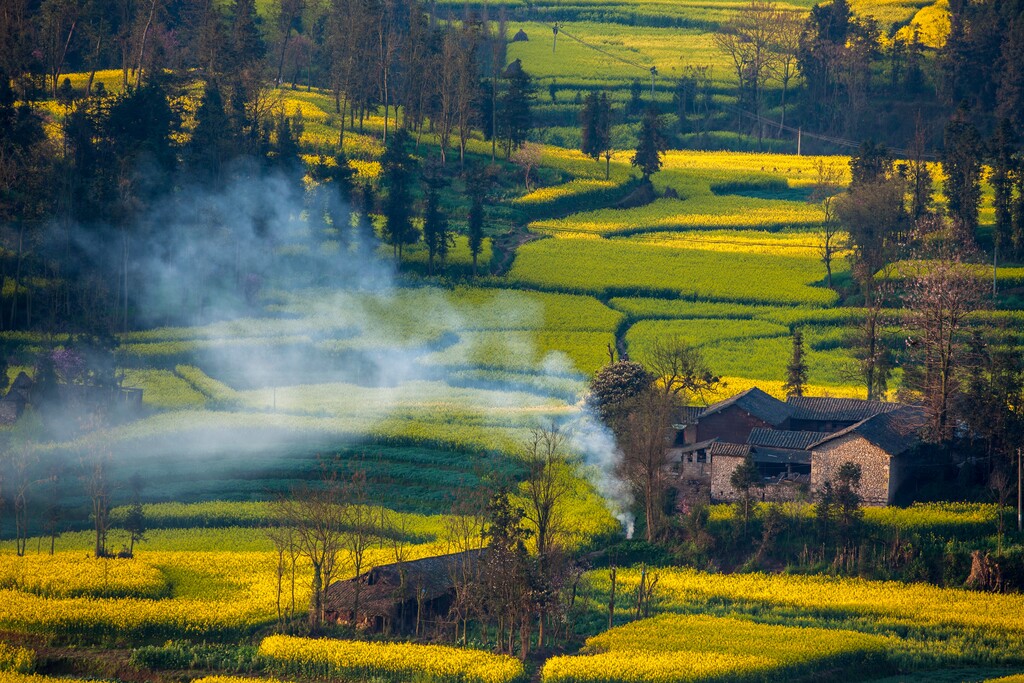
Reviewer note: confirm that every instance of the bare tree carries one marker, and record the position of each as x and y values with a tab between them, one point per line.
361	528
748	39
827	185
548	484
679	368
316	517
941	292
643	441
283	536
527	157
785	47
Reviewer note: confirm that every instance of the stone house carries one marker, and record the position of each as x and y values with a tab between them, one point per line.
782	438
880	445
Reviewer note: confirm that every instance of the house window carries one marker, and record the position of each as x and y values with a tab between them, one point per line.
702	456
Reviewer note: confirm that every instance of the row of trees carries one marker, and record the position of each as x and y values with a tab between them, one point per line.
852	70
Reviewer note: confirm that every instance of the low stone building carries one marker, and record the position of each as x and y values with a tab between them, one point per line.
880	445
783	439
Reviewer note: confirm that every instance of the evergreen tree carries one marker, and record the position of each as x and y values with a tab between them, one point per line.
436	234
961	162
1002	156
211	145
515	116
796	371
397	168
476	220
247	46
589	144
650	145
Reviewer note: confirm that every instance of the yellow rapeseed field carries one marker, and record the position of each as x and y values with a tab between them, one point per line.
396	661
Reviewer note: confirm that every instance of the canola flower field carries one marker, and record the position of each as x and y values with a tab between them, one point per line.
489	360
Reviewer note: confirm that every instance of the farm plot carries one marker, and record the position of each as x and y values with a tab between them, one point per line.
625	267
675	647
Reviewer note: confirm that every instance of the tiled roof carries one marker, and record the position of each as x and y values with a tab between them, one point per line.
895	432
839	409
738	450
780	455
757	403
780	438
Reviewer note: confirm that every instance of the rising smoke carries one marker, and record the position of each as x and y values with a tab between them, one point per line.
261	258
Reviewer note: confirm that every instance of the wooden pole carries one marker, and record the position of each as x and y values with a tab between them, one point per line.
799	140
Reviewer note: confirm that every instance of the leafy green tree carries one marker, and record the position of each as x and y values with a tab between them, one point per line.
397	170
650	145
847	504
615	385
596	128
796	370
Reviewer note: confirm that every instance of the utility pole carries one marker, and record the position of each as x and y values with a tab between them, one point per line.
554	42
799	139
654	73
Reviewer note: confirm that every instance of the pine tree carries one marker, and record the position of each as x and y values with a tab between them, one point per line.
436	234
476	222
211	146
650	145
397	167
961	162
247	46
589	144
796	371
1002	154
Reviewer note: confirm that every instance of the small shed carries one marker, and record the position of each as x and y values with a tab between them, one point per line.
396	596
520	37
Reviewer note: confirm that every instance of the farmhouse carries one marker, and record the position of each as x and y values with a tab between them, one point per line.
69	396
398	597
795	444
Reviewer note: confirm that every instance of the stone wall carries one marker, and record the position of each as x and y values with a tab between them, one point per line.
723	492
877	487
